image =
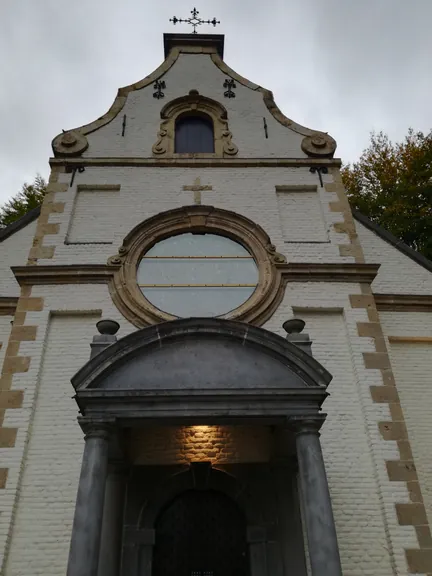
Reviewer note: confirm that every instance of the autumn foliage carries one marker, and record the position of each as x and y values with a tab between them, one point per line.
392	185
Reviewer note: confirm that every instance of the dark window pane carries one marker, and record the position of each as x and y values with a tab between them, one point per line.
194	134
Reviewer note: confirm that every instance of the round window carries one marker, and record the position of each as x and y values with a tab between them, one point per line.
197	275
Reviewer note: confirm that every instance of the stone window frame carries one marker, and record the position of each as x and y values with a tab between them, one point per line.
136	308
194	103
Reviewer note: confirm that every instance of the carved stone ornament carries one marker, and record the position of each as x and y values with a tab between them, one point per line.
69	144
194	103
277	257
319	145
127	295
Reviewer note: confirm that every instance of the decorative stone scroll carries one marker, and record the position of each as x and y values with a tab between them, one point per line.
194	103
319	144
69	144
139	311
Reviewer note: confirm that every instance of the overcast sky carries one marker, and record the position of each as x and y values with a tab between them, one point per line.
343	66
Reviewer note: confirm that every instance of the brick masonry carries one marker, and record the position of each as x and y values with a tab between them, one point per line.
372	441
216	444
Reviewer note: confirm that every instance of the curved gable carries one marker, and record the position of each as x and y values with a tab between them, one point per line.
74	142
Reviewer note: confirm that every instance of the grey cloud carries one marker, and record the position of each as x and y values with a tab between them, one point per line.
342	66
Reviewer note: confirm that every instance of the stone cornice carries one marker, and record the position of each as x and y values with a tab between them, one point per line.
8	305
404	302
63	274
192	162
102	273
344	272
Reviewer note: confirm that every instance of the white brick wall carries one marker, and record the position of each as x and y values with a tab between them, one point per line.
195	71
398	273
67	298
347	454
339	348
43	523
94	216
14	252
5	328
292	207
412	365
148	191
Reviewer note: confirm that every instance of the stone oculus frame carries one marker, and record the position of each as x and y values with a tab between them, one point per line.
194	104
124	288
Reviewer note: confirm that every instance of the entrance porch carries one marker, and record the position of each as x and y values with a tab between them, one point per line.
231	510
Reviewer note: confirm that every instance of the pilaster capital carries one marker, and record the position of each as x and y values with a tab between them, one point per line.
96	429
301	426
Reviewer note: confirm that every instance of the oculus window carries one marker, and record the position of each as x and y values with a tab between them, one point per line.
197	275
194	134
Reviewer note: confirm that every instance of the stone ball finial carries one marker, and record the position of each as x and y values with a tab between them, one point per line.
107	327
294	325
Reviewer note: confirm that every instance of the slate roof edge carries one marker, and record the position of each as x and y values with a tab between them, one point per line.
388	237
19	224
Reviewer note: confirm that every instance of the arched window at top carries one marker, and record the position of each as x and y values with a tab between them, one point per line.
194	134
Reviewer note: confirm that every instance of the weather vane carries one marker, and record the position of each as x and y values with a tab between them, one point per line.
194	21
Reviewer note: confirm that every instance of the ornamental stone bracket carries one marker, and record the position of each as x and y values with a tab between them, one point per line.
194	103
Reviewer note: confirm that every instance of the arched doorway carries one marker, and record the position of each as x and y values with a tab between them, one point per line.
200	533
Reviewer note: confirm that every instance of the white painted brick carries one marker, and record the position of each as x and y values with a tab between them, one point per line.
412	365
5	328
292	207
398	273
195	71
53	456
148	191
14	251
94	216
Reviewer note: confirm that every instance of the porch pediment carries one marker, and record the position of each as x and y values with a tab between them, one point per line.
202	365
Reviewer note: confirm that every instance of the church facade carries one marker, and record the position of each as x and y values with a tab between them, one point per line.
209	364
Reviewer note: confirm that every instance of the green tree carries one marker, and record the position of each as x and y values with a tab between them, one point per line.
392	185
30	196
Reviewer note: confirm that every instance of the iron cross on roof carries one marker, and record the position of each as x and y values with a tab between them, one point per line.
194	21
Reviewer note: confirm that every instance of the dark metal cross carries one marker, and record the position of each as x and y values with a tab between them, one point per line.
194	21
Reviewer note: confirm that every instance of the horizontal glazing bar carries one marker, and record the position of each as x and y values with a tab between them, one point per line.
196	257
197	285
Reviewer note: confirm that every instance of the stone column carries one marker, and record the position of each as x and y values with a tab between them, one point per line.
320	526
112	523
87	524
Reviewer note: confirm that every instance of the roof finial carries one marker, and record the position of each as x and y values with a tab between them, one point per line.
194	21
